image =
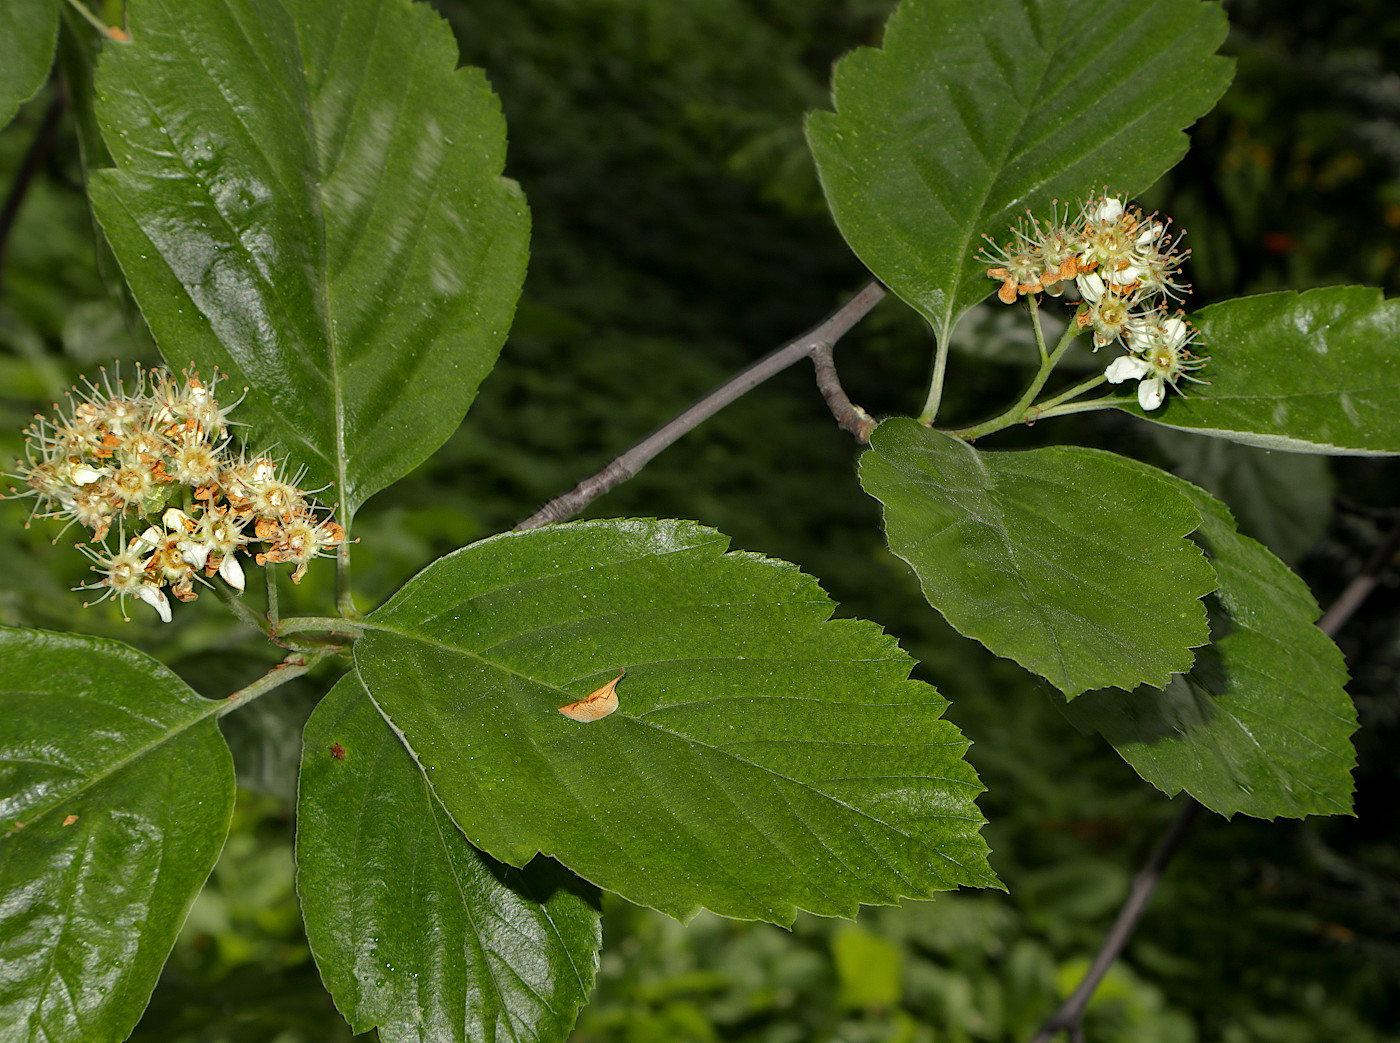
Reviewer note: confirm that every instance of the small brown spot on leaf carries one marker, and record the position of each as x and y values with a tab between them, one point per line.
70	820
337	751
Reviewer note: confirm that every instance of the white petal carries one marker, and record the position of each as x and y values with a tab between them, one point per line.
194	553
82	474
1138	334
1126	367
1126	276
1091	286
1149	233
1151	392
232	571
177	520
148	540
1174	332
1109	210
155	597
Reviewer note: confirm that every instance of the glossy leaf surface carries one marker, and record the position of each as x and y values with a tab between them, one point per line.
415	930
970	113
763	758
1261	724
28	34
116	791
1067	560
307	196
1313	372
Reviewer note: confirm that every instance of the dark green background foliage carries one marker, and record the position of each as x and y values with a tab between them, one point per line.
679	232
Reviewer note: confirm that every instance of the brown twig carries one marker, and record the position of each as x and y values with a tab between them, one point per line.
34	158
848	415
1361	585
819	337
1069	1017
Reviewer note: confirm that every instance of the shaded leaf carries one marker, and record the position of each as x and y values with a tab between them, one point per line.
116	793
307	197
1070	561
1312	372
1261	724
763	758
415	931
1281	499
28	35
971	113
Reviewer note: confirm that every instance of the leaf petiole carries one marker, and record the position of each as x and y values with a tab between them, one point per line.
935	389
288	670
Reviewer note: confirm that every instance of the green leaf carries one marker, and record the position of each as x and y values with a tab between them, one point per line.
971	113
1312	372
414	930
1070	561
28	35
307	197
1261	725
764	757
116	792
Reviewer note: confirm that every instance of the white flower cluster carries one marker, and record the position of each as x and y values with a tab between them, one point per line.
1122	263
162	452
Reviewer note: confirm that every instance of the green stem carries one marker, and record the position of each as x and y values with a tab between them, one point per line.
1034	303
1065	396
319	624
272	616
288	670
242	611
344	600
1017	413
1092	404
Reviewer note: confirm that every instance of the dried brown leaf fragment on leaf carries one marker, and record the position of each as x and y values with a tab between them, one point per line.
596	705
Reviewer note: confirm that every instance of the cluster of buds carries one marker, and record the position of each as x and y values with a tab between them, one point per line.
1122	263
158	459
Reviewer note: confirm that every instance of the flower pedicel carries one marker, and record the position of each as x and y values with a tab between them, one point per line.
158	459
